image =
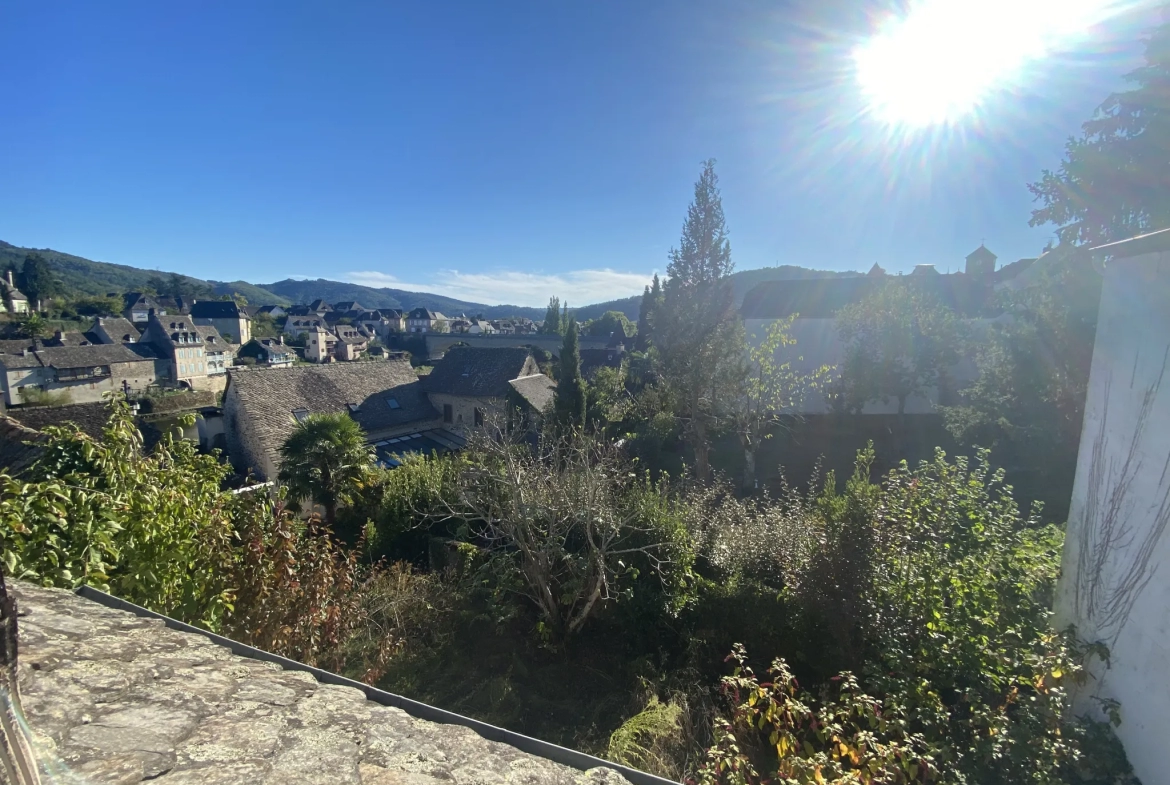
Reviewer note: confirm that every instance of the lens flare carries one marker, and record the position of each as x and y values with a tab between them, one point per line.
946	57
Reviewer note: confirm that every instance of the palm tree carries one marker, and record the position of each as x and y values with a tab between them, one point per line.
324	460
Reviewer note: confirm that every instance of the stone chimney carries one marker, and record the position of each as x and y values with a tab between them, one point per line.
10	281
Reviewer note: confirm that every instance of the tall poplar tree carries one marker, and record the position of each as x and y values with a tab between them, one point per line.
552	317
697	330
569	402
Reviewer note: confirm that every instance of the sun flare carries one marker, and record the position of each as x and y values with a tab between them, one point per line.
945	57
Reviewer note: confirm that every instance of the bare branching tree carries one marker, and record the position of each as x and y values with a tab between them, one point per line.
555	510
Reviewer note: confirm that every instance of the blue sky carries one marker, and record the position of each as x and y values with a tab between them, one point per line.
501	151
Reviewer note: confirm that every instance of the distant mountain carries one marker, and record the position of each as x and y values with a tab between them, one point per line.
741	283
84	276
304	291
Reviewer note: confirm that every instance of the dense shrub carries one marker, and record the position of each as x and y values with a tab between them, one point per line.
959	677
157	529
152	528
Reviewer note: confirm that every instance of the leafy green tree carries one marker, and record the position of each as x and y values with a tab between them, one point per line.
697	331
569	401
651	301
772	387
900	341
34	326
154	528
37	280
156	284
264	326
1027	401
610	323
325	460
98	306
1112	182
552	318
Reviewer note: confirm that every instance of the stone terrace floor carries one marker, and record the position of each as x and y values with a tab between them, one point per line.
116	698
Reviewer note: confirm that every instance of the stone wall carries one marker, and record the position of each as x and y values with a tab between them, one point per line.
113	698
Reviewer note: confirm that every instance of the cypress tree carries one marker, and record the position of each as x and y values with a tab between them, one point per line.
697	331
651	298
569	402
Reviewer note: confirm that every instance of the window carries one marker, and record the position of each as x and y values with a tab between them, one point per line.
300	414
447	412
478	416
182	369
353	408
393	403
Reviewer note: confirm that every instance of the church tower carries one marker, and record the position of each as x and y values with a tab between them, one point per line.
981	262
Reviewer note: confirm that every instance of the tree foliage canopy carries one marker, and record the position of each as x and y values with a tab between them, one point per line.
325	460
900	341
1112	182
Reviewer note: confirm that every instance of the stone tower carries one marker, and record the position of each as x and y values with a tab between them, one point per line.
981	262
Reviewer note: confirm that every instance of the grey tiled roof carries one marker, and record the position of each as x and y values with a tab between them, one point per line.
216	309
18	446
537	390
376	413
89	417
268	396
85	356
15	346
477	372
118	328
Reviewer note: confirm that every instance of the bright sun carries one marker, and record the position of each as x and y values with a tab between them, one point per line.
943	59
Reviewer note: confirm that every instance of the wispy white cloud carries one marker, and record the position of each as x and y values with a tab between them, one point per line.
578	287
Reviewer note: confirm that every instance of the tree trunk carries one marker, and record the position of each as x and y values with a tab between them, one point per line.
702	465
749	469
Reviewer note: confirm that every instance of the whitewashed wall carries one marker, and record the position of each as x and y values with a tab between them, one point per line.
1115	582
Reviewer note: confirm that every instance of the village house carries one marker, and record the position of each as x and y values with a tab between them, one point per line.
296	326
459	324
15	301
263	405
78	374
470	383
352	342
380	324
275	311
319	306
137	305
196	355
423	320
272	352
233	324
320	344
481	327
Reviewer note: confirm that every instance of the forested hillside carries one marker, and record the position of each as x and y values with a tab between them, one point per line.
304	291
80	276
741	283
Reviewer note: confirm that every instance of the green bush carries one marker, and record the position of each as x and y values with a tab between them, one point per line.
946	607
